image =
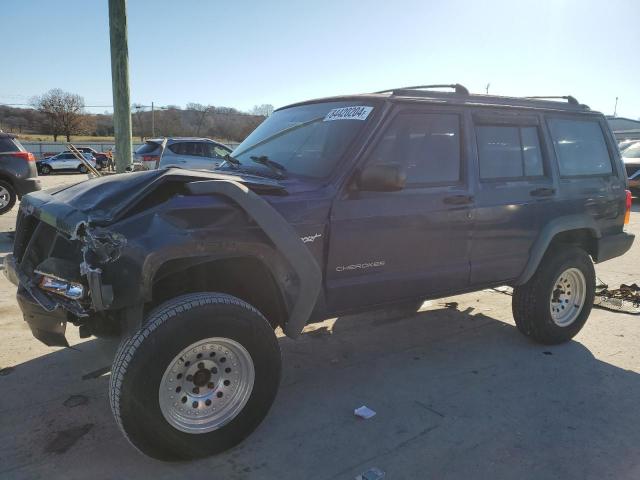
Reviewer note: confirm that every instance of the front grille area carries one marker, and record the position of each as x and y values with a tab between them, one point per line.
36	241
38	248
25	226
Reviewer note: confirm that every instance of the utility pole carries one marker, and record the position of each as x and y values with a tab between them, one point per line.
153	121
487	88
120	82
615	109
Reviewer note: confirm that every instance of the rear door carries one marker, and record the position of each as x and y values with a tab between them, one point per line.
515	189
185	154
386	246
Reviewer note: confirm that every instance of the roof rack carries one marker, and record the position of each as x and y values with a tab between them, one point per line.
570	99
459	89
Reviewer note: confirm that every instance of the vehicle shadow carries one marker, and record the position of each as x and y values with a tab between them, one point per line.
458	394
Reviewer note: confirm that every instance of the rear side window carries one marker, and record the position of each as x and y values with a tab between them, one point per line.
426	144
509	152
148	147
580	147
189	148
8	145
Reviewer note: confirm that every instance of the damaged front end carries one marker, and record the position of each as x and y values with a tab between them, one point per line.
57	266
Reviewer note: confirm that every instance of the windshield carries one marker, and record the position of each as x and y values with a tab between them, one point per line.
306	140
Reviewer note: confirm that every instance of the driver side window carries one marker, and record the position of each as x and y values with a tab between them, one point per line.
426	145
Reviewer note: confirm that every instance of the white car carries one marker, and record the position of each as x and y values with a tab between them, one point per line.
184	152
65	161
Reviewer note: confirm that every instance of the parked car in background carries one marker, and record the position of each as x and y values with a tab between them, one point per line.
624	144
184	152
631	159
101	158
65	161
18	174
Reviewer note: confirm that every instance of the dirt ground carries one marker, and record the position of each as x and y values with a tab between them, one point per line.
458	392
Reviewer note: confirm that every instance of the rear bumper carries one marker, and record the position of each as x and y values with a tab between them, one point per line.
26	185
612	246
48	326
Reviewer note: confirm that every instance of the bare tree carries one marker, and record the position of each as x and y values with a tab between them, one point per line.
265	110
64	112
138	111
202	111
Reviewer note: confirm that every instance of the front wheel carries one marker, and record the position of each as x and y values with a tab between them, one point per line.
553	306
197	379
82	168
45	170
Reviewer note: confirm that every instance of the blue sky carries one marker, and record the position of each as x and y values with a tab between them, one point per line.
240	53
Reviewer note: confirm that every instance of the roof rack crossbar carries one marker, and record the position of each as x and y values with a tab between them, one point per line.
570	99
460	89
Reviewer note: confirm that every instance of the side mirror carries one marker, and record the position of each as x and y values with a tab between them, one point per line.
390	177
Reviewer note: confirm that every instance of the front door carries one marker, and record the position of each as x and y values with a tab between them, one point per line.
412	243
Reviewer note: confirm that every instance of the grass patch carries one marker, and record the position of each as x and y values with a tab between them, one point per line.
43	137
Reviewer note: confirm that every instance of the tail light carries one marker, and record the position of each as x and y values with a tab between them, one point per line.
627	212
152	158
28	156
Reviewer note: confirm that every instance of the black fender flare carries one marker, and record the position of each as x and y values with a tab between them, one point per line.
550	230
284	237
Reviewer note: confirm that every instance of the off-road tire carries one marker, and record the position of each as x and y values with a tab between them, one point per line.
531	301
12	196
142	359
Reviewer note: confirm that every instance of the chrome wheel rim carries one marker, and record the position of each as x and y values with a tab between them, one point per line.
206	385
5	197
568	297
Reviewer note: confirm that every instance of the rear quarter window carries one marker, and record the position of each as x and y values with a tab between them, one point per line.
148	147
8	145
580	147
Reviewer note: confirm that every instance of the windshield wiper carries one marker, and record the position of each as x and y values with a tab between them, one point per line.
275	167
231	161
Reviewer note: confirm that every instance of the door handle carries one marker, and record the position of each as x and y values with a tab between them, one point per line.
458	199
542	192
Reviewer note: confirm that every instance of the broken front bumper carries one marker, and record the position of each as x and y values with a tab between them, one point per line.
46	318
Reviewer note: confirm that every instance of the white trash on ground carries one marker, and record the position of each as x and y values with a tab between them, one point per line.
364	412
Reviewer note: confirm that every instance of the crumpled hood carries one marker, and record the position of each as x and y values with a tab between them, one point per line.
99	201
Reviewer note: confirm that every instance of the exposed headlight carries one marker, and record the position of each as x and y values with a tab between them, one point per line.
67	289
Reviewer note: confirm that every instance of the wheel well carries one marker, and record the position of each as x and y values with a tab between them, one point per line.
6	179
246	278
581	237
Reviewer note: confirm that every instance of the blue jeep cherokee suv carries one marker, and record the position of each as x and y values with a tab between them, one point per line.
330	206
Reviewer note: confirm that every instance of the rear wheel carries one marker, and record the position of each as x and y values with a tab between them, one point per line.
7	197
82	168
553	306
197	379
45	170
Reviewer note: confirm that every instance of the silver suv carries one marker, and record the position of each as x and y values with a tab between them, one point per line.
184	152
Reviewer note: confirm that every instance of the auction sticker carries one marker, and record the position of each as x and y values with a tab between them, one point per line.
348	113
